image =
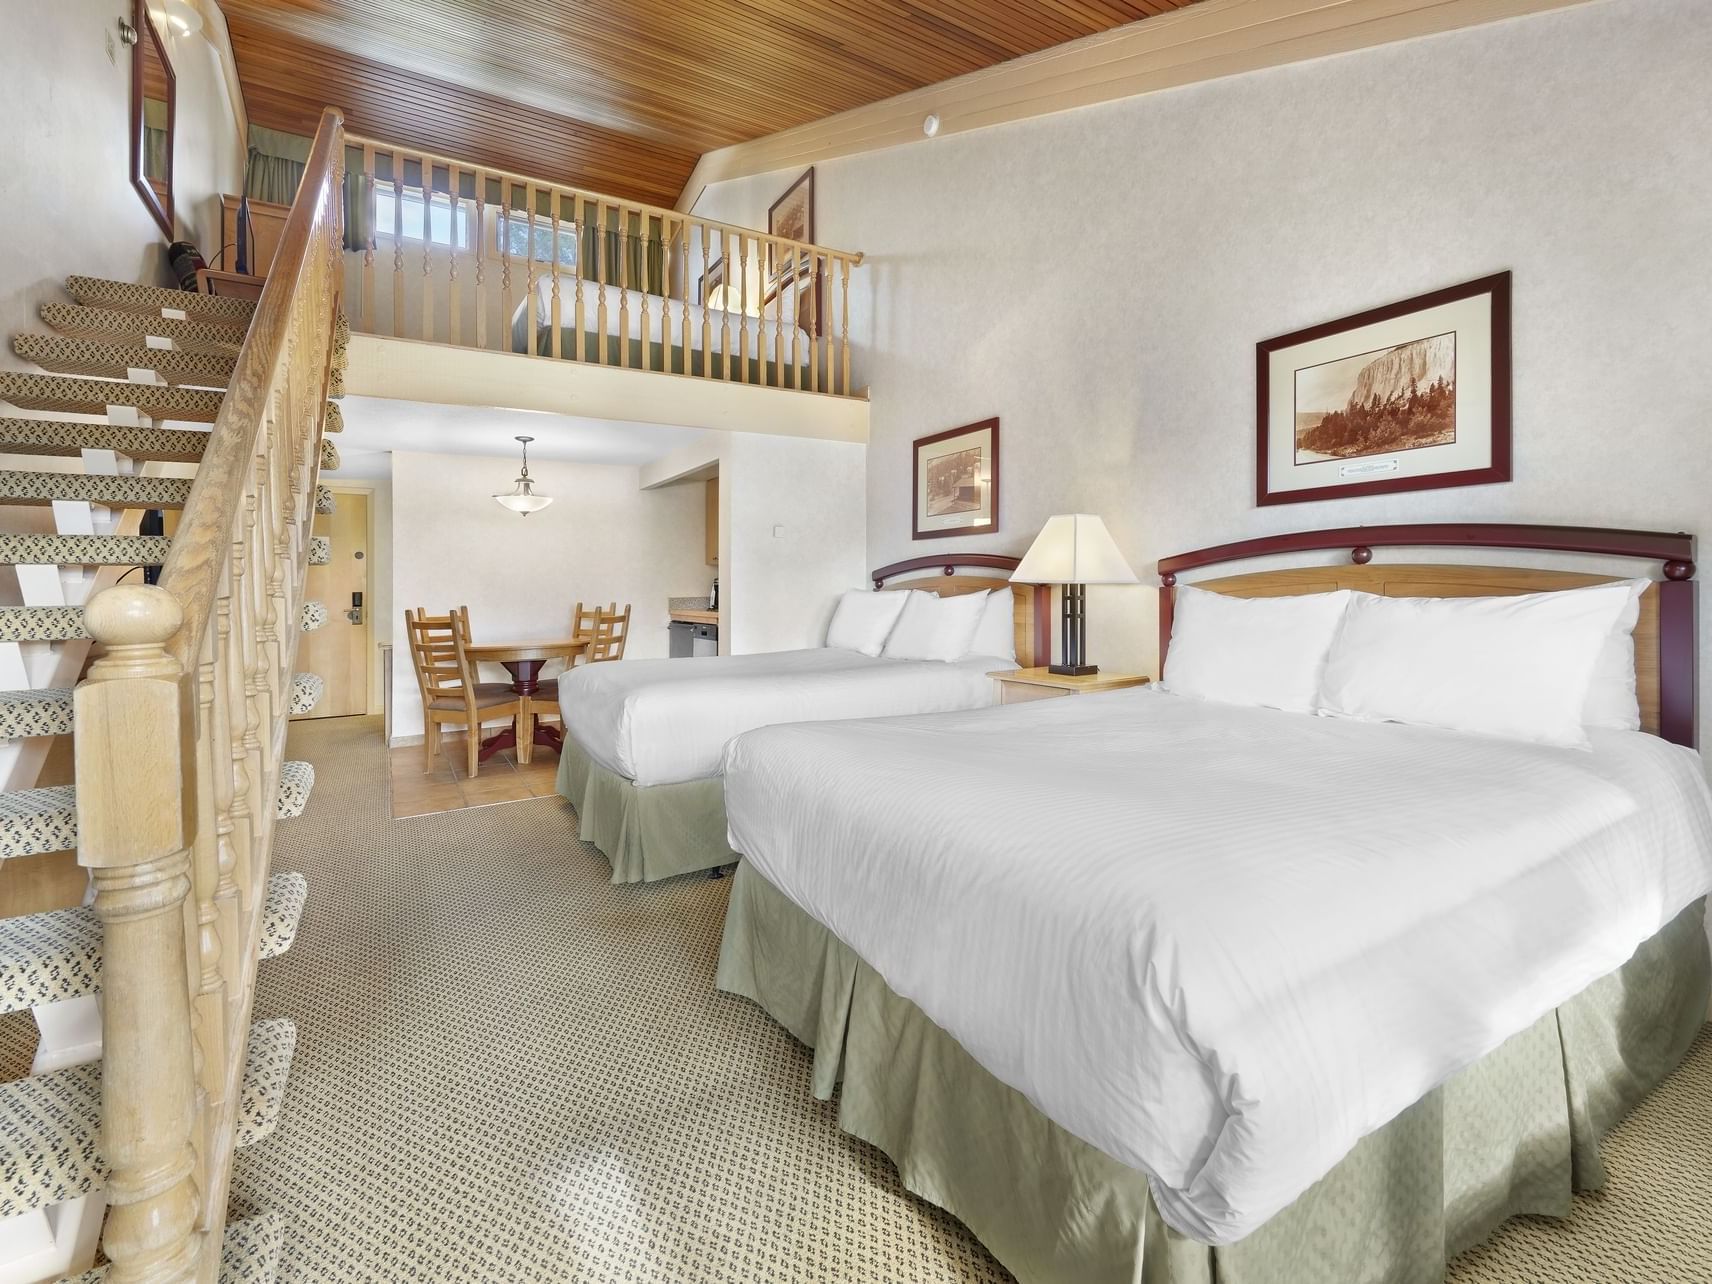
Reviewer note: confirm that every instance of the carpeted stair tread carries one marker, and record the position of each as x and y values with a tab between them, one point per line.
65	355
287	894
296	780
323	500
320	550
55	956
311	617
306	689
329	457
71	438
79	322
41	711
116	490
41	623
31	391
50	1124
267	1067
130	296
83	550
33	821
50	1138
250	1253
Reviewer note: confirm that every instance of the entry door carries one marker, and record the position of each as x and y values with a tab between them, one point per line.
340	649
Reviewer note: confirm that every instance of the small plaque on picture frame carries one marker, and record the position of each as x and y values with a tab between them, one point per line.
1411	396
955	482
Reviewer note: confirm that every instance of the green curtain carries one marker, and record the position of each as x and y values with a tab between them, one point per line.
624	245
276	164
155	142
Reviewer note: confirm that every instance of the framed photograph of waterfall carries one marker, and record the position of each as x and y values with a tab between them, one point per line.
1411	396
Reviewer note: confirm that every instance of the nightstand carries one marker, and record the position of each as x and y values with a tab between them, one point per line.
1017	686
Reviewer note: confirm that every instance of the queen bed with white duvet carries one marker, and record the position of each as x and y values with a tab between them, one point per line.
644	739
1193	984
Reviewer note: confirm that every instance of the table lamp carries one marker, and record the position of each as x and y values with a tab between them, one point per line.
1073	550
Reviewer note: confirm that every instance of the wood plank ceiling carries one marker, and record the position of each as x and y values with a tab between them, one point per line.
620	96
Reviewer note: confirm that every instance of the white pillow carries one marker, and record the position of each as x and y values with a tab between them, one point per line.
1611	697
935	628
862	620
995	635
1501	666
1266	651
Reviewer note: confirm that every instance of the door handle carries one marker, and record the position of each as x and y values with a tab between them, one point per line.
355	614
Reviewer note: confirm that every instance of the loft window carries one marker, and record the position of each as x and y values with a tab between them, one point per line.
513	237
440	217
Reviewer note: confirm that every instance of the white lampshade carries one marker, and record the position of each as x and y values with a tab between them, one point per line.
1073	548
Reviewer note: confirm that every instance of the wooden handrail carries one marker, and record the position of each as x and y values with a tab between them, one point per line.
546	185
201	543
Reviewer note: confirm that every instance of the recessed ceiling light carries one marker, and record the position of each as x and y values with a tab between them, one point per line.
930	126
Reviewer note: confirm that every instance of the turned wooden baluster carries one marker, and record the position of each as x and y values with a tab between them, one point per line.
210	998
579	211
481	247
647	355
427	177
397	244
134	761
796	315
703	301
506	222
454	315
620	242
776	285
730	264
603	272
742	307
556	316
844	329
368	285
534	297
684	333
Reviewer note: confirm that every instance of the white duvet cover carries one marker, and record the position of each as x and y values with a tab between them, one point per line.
753	335
662	721
1222	944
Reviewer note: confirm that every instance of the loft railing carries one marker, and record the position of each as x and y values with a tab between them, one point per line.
180	728
453	252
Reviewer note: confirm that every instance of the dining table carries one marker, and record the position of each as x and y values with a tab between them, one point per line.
524	661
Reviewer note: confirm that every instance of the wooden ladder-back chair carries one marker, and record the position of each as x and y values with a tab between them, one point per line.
447	677
611	631
583	621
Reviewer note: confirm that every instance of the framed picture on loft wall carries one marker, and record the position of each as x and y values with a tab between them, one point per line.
792	217
1411	396
955	482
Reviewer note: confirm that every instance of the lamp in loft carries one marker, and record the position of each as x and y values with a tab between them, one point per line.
522	498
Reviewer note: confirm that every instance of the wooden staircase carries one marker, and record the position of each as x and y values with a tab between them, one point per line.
150	1072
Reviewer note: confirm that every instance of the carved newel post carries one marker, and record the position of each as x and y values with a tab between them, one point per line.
136	820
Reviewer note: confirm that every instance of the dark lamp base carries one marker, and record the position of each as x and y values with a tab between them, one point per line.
1073	670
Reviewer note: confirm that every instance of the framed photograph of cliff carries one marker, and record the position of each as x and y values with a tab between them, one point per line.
1411	396
955	482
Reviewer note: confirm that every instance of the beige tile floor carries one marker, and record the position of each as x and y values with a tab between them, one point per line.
421	789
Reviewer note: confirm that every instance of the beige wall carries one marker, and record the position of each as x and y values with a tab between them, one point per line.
603	539
1098	280
792	532
65	160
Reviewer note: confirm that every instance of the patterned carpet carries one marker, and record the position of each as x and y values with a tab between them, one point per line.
509	1069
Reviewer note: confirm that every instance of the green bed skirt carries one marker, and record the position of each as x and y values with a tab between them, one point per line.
1515	1133
647	833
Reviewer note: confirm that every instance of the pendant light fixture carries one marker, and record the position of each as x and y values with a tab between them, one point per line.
522	498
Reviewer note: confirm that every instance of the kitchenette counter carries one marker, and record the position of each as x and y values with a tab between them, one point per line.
688	616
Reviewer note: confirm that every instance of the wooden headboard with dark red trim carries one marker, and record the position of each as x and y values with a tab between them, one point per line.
1033	601
1665	648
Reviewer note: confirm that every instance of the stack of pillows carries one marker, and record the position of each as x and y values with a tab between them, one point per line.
1541	667
913	625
